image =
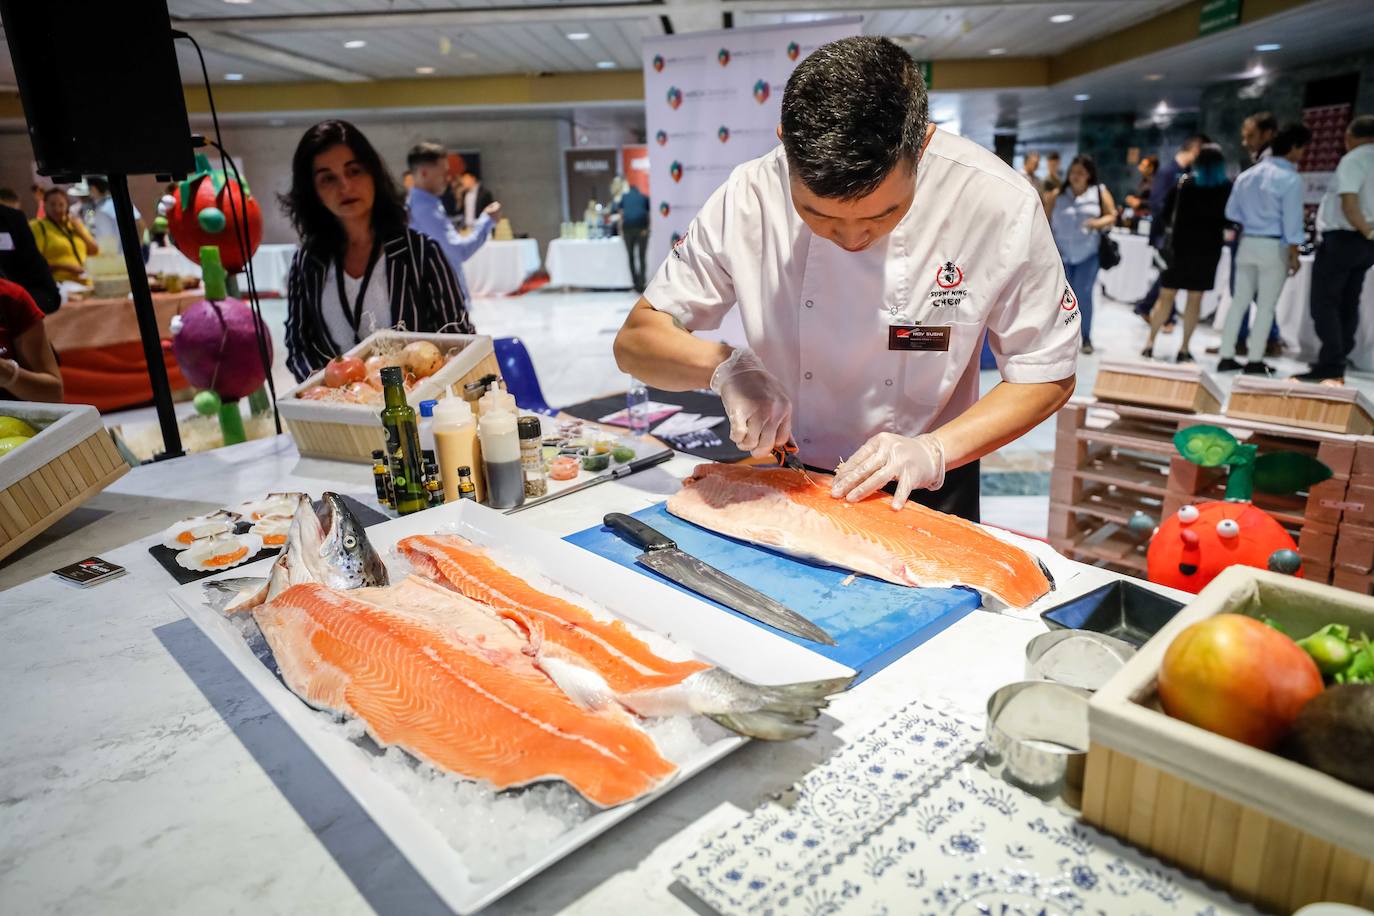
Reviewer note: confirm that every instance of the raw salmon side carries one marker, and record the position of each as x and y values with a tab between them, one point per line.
431	673
916	546
624	660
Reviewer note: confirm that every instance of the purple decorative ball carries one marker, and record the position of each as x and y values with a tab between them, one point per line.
217	348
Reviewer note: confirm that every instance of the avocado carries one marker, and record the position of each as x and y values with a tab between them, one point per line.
1334	733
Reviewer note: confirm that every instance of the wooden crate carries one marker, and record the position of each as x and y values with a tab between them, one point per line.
70	460
1263	827
1152	384
351	432
1321	407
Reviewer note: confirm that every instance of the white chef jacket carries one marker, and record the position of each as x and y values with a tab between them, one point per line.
974	253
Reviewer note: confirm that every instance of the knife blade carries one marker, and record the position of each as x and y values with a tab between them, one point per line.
663	556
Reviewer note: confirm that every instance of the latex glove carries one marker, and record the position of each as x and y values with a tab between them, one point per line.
759	410
915	464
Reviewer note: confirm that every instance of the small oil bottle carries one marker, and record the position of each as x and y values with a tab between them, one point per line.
433	485
466	488
381	477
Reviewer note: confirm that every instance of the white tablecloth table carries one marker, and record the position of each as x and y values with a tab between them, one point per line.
589	263
1131	279
271	264
499	268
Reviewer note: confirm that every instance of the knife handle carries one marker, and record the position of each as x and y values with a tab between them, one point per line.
638	533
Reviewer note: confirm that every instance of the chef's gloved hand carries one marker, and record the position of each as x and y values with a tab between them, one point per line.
915	464
759	410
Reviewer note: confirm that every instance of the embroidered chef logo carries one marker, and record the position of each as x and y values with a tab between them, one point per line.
723	57
1069	303
674	98
675	170
793	49
658	63
723	134
949	275
664	209
761	91
676	243
661	137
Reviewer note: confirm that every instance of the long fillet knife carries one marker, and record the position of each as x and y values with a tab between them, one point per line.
663	556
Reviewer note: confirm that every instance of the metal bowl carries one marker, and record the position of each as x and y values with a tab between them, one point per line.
1037	738
1078	658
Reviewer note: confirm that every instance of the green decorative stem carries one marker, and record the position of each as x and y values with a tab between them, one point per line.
231	423
258	402
1240	481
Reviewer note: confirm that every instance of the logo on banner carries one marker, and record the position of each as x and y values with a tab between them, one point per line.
948	275
674	98
661	138
723	57
723	134
658	63
675	170
664	209
793	49
761	91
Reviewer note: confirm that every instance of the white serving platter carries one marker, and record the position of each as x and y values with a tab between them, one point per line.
716	636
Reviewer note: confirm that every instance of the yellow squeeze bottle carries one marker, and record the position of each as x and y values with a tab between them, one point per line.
455	440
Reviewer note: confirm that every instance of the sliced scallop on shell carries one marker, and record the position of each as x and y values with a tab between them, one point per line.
189	530
273	505
223	551
272	530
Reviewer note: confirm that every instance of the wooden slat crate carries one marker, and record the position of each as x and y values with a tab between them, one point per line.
1319	407
70	460
1152	384
1265	828
349	432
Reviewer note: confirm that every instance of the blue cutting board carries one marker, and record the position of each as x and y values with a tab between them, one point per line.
873	623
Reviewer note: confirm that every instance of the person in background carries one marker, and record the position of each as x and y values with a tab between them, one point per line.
1256	134
1196	210
474	197
1166	176
63	240
9	198
1267	203
1140	200
38	191
1078	212
359	267
429	167
1053	180
104	225
1345	220
28	365
1030	166
20	259
633	207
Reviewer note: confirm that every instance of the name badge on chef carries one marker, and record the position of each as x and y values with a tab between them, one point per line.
919	337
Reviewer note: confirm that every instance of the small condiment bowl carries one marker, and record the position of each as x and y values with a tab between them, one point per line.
1078	658
1037	738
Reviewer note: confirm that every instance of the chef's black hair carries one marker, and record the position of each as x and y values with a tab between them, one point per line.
313	222
853	110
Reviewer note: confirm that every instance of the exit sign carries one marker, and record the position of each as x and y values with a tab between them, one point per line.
1218	16
926	71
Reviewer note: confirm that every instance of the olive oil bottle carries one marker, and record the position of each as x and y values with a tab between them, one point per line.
402	444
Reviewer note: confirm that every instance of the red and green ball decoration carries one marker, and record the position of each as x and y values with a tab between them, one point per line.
203	213
1198	541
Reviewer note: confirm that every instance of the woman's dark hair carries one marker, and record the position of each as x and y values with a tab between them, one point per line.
1089	165
1153	160
315	224
1209	168
851	113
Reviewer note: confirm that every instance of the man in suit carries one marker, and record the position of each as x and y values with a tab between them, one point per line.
20	260
474	198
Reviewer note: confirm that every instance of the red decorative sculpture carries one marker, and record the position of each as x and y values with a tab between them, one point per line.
206	210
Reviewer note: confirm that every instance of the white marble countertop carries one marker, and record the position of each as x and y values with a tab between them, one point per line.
139	772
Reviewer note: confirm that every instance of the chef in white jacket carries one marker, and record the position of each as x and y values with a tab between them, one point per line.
868	255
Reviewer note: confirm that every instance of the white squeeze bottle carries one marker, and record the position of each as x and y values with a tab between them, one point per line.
501	458
457	445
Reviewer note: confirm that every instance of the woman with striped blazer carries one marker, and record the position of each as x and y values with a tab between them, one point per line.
359	268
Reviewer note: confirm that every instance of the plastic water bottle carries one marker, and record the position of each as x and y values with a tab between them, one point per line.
637	407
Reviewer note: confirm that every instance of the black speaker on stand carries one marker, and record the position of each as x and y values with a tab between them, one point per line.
113	108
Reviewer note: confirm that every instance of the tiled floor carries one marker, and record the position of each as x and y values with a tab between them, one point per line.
569	337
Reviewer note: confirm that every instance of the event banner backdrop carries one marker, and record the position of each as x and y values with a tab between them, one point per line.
712	100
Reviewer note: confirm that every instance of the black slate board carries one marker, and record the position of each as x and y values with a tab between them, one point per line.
168	557
700	402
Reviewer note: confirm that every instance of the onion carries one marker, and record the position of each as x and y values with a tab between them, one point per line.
422	358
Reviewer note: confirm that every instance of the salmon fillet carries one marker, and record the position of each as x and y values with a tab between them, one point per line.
430	672
916	546
624	660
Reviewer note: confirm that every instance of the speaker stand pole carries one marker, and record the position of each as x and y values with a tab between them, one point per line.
147	317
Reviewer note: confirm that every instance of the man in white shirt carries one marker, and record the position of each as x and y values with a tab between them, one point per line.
474	197
1345	220
103	225
868	256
